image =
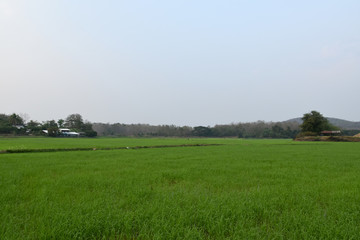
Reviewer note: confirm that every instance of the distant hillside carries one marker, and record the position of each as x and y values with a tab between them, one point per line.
343	124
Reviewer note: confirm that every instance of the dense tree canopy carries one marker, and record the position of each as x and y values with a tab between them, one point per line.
74	121
258	129
15	124
315	122
11	124
5	125
15	119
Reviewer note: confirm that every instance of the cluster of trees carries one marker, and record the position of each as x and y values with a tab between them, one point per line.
258	129
140	130
11	124
15	124
314	123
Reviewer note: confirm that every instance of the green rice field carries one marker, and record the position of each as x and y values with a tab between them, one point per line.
239	189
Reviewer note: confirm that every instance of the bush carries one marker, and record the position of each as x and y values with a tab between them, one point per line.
6	129
90	133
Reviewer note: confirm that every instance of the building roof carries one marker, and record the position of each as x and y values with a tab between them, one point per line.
330	132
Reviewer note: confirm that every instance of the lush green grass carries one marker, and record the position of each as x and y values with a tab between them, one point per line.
270	189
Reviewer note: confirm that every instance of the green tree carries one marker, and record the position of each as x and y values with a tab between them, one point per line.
315	122
60	123
88	130
202	131
52	128
5	126
49	124
15	119
74	121
34	127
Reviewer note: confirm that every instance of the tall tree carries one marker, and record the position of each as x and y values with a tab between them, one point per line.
315	122
74	121
60	123
15	119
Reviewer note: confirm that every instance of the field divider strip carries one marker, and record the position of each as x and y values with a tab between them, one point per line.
100	148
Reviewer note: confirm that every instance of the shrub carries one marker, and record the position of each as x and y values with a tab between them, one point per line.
90	133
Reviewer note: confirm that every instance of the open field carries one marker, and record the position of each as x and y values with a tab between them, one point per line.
243	189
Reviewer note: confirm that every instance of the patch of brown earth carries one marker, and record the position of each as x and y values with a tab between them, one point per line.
329	139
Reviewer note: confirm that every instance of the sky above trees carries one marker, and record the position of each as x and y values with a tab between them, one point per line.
180	62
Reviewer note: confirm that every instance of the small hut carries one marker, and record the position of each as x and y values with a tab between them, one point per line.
330	133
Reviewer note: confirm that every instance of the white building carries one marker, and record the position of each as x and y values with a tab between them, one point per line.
67	133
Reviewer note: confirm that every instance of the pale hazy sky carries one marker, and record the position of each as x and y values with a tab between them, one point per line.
180	62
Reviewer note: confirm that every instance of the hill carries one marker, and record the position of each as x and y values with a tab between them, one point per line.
341	123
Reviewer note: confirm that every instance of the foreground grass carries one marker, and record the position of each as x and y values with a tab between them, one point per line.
245	189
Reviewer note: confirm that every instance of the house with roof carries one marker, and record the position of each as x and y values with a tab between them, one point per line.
330	133
65	132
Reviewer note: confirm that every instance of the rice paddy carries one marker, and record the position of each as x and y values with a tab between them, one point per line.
239	189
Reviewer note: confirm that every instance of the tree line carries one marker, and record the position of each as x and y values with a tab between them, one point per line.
16	125
313	123
259	129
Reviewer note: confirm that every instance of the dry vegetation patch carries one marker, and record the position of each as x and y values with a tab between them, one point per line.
329	138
